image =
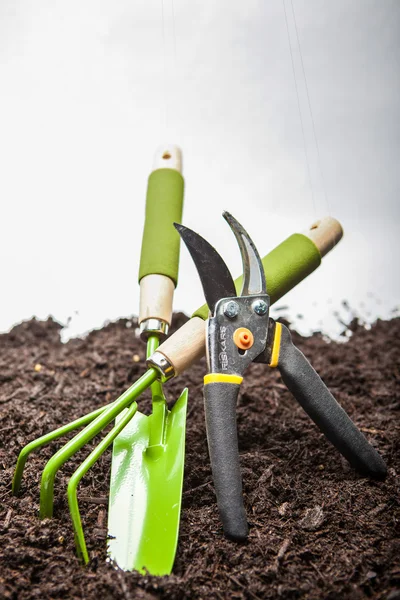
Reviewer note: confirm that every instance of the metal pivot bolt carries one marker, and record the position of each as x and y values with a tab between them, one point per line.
231	309
260	307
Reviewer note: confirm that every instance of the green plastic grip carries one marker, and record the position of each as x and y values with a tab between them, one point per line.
285	266
161	241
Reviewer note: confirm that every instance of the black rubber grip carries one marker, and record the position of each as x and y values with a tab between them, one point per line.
220	409
313	395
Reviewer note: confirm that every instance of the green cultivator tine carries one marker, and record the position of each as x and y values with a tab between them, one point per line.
82	438
82	470
46	439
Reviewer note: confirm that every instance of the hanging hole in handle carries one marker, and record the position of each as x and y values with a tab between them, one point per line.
166	155
315	225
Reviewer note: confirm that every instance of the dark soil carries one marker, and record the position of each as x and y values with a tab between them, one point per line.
317	529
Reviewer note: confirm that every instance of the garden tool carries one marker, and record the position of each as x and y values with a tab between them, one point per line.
240	331
148	450
148	454
287	265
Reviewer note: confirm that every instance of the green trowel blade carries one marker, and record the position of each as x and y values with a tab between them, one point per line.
146	494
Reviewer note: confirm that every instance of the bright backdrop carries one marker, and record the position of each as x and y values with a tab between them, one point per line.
88	90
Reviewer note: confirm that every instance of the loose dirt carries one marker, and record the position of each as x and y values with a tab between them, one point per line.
317	530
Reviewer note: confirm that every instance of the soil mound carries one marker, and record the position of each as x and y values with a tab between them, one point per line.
317	530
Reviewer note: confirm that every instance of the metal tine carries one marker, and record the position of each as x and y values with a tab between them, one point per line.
253	271
46	439
51	437
72	491
82	438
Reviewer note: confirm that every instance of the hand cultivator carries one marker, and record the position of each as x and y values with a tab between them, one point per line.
148	452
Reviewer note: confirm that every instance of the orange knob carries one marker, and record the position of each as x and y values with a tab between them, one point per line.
243	338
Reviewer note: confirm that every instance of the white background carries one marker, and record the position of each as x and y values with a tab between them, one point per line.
88	90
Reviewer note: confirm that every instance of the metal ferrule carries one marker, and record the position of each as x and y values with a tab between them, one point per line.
153	327
162	365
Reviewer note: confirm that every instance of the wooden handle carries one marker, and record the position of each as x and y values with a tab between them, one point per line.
156	296
325	233
186	346
168	156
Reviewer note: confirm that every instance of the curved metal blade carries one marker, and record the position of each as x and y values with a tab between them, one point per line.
253	270
214	275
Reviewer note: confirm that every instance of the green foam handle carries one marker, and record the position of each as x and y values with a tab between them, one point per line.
161	241
285	266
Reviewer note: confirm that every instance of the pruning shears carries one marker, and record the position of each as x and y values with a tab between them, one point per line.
240	331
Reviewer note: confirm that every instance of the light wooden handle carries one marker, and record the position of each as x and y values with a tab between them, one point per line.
325	233
156	296
168	156
186	346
